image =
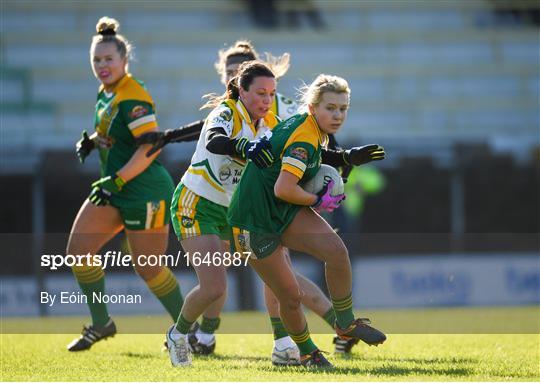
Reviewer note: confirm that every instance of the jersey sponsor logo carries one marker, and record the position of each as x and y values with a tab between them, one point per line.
137	111
187	222
230	173
285	100
226	115
132	222
300	154
224	173
223	120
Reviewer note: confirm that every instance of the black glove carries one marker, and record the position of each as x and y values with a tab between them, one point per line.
364	154
84	147
259	151
104	188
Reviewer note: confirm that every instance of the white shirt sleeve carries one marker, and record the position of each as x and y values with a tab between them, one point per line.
221	117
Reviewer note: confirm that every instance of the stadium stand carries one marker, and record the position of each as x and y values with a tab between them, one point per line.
425	70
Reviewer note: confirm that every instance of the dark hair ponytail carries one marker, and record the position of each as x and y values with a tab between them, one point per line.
247	72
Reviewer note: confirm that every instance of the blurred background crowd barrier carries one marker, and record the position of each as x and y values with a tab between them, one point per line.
449	88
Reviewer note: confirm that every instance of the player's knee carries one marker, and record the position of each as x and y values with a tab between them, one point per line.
214	291
147	272
336	253
293	302
291	297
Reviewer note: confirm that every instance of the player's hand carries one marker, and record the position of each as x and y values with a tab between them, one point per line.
364	154
84	147
325	201
259	151
104	188
157	139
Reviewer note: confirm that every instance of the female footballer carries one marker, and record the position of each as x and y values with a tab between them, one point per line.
232	134
134	191
272	211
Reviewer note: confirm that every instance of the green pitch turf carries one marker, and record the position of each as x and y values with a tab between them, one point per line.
137	357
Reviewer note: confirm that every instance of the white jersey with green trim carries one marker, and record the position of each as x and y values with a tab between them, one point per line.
284	107
215	176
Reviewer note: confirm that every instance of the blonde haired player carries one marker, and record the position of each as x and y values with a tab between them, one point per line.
270	211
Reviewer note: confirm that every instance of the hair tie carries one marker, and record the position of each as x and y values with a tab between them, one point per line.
239	59
107	32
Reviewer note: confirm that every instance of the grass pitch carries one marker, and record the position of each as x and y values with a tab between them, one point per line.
246	357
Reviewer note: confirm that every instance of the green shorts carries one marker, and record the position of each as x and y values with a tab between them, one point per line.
259	245
143	215
193	215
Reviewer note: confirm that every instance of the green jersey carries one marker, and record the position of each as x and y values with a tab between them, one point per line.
296	146
121	115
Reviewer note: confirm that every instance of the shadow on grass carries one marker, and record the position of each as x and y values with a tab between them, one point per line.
384	371
141	355
197	358
395	369
378	358
232	358
402	371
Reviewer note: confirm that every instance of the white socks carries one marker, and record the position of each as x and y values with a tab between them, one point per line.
176	335
204	338
283	343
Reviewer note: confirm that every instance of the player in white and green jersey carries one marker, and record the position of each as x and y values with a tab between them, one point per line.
232	134
270	211
133	194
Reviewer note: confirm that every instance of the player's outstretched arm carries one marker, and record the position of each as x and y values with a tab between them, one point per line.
259	151
355	156
158	140
347	159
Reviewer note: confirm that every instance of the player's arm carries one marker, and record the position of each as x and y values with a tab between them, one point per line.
259	151
355	156
137	163
158	140
294	162
189	132
218	142
104	188
287	189
332	143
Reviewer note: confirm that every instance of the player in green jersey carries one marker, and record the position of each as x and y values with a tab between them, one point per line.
270	210
134	192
